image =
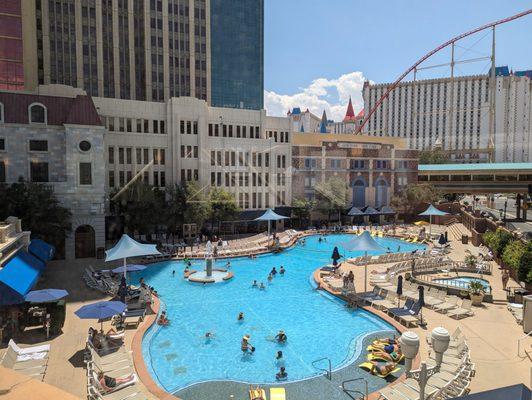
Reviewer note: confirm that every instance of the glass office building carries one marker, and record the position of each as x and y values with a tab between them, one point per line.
237	53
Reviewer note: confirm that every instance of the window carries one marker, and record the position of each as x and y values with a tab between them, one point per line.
357	164
38	145
121	155
195	126
182	127
128	155
310	163
111	179
85	173
163	179
161	157
111	155
1	113
336	163
39	171
84	145
37	113
2	171
2	144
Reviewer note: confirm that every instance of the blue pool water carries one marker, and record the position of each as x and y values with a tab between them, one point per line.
463	282
317	324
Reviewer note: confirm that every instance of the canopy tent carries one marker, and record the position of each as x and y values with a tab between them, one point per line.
368	210
430	211
386	210
18	277
364	243
270	215
354	212
42	250
128	247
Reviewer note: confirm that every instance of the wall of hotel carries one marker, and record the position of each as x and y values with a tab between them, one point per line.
63	157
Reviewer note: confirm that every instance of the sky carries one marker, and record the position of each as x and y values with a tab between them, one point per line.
319	52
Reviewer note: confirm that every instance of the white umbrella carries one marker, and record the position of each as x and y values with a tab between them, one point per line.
127	247
269	215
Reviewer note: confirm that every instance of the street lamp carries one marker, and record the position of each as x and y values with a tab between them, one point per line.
410	347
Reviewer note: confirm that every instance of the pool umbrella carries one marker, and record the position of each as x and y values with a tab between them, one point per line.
100	310
364	243
421	301
129	268
127	247
399	289
45	295
269	215
430	211
335	256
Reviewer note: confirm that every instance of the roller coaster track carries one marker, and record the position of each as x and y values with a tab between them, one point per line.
430	54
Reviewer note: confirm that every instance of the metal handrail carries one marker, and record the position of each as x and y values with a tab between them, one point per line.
328	372
519	344
349	391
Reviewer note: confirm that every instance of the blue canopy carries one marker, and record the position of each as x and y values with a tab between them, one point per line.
18	277
129	268
100	310
431	210
42	250
127	247
354	212
45	295
364	242
270	215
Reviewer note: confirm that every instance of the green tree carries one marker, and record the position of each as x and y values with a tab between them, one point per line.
524	273
436	156
140	206
512	254
415	195
331	196
497	240
223	206
176	202
302	209
38	208
197	206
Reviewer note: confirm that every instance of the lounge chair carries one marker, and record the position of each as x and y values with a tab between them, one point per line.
129	393
463	311
96	383
450	303
277	394
28	350
257	393
372	296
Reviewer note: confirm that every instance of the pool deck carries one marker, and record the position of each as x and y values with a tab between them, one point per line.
492	334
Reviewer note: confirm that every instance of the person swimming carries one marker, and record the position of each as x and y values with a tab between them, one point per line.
240	316
245	346
228	265
282	270
254	284
273	271
281	375
279	355
270	277
281	337
163	320
320	239
209	335
173	273
262	286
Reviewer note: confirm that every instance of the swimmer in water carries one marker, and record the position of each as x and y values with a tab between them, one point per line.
279	355
255	284
281	375
173	273
270	278
228	265
240	316
245	346
273	271
282	270
262	286
281	337
209	335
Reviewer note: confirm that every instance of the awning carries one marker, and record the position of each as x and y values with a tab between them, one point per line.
18	277
370	211
387	210
354	211
42	250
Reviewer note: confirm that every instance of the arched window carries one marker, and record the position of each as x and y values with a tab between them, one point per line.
359	193
381	192
37	113
1	113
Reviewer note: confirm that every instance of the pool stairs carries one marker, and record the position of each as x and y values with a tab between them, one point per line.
328	370
351	392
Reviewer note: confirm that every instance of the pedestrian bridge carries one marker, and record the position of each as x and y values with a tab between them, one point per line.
478	178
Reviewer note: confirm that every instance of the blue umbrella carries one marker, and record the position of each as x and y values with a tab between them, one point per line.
45	295
430	211
363	243
129	268
270	215
101	310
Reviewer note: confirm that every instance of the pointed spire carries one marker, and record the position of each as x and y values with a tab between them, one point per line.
350	113
323	123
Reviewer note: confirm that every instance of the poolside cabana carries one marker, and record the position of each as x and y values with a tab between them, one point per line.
430	211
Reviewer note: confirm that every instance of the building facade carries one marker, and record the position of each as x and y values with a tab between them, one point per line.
237	53
455	114
59	142
374	169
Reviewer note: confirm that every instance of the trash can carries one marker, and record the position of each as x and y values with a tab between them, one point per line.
465	239
519	294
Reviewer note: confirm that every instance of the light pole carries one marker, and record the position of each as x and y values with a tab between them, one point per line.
410	346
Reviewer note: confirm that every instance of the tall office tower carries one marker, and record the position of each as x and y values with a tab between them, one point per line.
11	66
237	49
454	113
129	49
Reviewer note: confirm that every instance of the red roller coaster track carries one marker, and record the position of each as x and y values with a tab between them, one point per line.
430	54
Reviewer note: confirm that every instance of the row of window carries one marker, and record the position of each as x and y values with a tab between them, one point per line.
132	125
256	200
230	159
40	172
142	156
281	137
336	163
258	179
238	131
124	177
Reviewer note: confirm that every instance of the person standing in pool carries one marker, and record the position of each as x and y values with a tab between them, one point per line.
245	346
281	337
279	355
173	273
281	375
228	265
255	284
273	271
262	287
270	278
282	270
240	316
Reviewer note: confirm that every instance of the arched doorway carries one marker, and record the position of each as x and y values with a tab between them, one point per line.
359	193
85	242
381	192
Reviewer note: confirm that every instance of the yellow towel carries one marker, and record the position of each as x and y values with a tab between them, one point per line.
277	394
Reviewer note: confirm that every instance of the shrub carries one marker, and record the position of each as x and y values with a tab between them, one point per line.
524	273
497	240
513	253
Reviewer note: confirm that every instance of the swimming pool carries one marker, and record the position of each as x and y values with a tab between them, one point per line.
317	324
463	282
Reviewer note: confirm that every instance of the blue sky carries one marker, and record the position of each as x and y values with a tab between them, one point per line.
318	52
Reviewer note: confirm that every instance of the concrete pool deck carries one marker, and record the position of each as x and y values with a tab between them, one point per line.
492	334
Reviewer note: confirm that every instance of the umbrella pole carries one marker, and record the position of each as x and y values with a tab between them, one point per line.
366	273
125	267
430	227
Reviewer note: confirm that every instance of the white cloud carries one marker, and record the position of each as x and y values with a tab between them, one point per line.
330	95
